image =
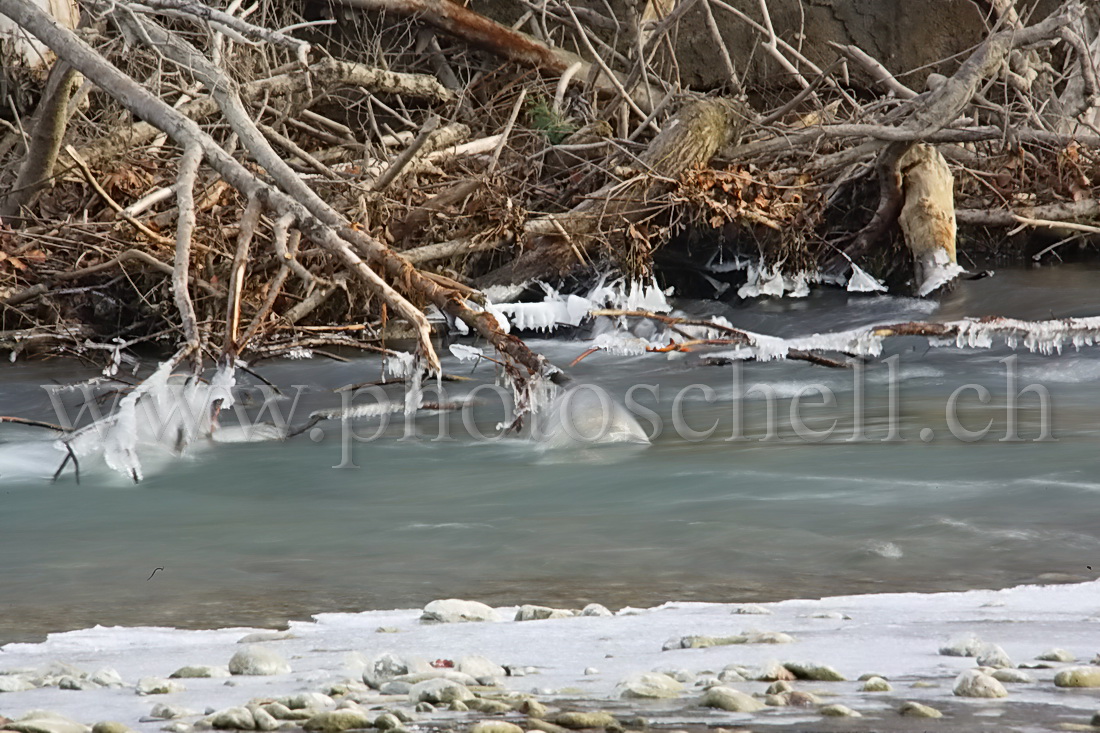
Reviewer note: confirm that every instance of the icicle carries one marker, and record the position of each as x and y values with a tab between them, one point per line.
861	282
466	353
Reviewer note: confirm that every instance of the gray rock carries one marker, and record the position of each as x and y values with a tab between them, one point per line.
111	726
1078	677
650	685
478	666
726	698
813	671
199	672
424	707
495	726
734	673
752	610
778	688
578	721
178	727
533	708
769	637
15	683
439	691
157	686
771	671
876	684
402	715
383	668
306	700
107	677
967	645
839	711
232	719
454	610
489	707
387	721
705	642
438	674
258	661
833	615
264	720
1056	655
75	683
164	711
541	613
975	683
1095	719
916	710
334	721
395	687
992	655
800	699
279	711
595	609
1011	675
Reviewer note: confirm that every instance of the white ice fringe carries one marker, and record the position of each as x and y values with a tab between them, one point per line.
1043	337
861	282
556	309
769	280
154	414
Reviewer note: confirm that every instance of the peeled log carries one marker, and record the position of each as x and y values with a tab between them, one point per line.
689	140
928	217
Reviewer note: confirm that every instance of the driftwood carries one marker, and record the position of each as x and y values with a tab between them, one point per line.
560	241
927	216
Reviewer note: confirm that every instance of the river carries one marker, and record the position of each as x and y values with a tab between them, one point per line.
891	500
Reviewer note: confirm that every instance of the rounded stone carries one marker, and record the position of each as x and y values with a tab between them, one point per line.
237	718
839	711
334	721
974	683
1078	677
876	684
495	726
455	610
917	710
439	691
726	698
650	685
258	661
579	721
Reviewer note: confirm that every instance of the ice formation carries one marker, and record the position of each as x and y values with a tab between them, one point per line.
861	282
938	270
769	280
466	353
158	413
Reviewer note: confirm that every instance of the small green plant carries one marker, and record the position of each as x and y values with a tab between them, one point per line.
546	119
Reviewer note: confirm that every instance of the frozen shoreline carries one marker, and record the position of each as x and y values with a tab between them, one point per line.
896	636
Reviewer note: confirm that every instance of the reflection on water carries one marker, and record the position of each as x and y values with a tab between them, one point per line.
257	533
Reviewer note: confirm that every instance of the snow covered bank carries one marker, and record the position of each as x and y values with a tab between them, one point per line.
565	661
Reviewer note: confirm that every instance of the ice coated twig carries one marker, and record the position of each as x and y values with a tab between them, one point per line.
1044	337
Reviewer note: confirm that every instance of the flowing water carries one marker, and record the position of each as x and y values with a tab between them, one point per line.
255	533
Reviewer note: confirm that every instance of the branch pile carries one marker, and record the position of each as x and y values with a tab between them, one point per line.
242	183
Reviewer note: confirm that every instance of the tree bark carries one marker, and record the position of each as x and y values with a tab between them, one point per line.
50	121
